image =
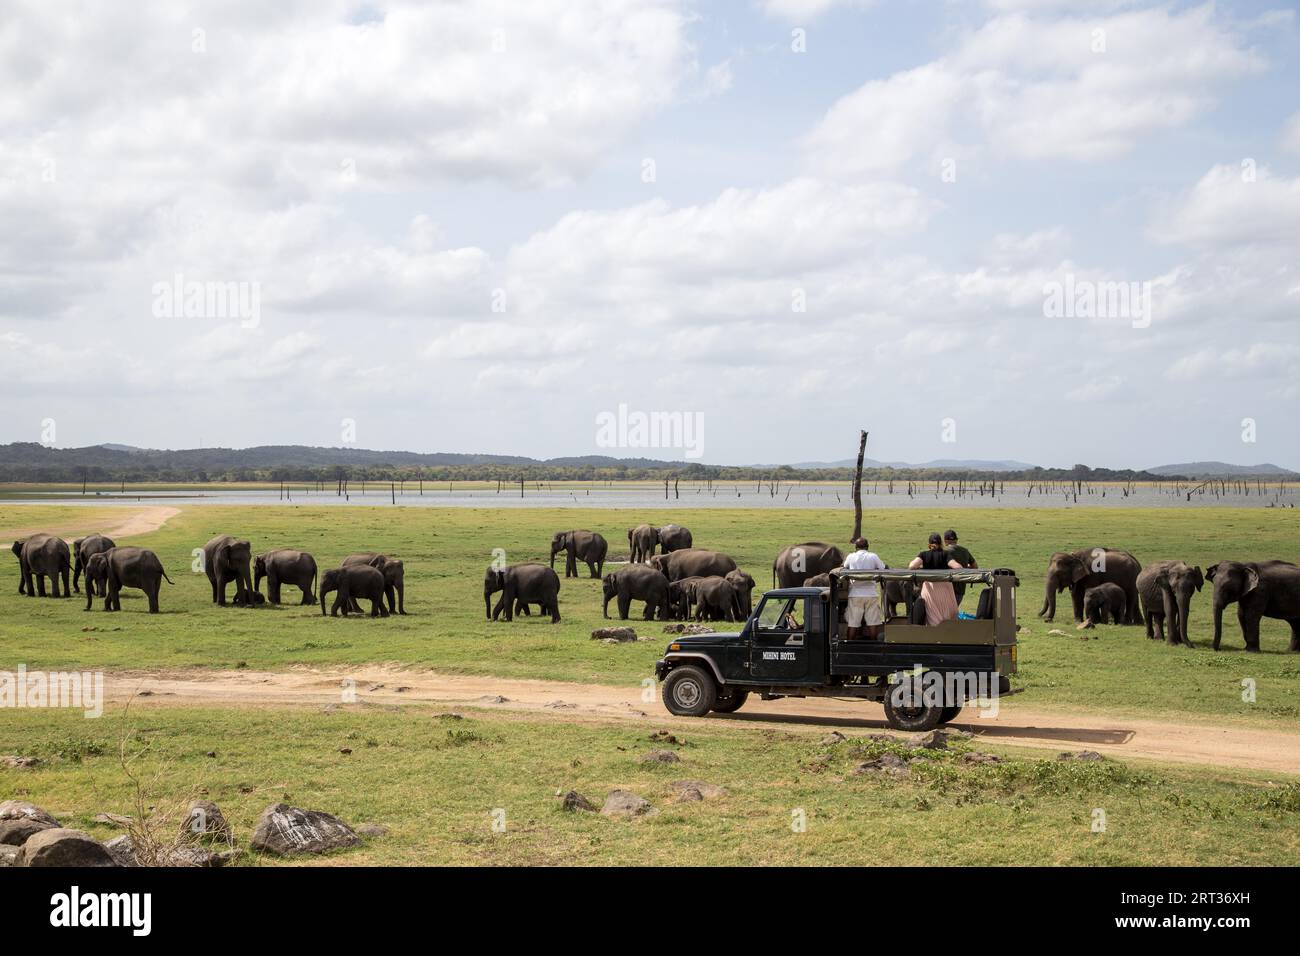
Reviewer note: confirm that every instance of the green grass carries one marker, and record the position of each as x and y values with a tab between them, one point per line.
454	774
1115	671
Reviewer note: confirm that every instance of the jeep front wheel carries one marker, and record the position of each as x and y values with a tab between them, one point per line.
689	692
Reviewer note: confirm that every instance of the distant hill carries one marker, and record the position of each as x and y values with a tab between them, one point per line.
960	464
31	462
1221	469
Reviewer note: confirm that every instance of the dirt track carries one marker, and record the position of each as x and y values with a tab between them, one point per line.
137	521
1174	742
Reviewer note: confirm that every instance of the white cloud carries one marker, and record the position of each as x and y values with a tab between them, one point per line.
1234	204
1291	134
1082	89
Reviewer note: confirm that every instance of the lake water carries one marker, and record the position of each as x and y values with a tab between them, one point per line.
646	496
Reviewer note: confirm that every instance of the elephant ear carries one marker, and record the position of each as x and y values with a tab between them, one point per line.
1198	578
1252	580
1211	571
1078	572
223	554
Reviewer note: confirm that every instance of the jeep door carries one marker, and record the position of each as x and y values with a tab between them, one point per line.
779	645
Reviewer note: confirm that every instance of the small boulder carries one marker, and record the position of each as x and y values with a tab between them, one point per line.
287	830
1085	755
624	803
1056	632
707	791
372	830
22	810
18	832
205	821
661	756
976	757
687	629
887	763
573	801
8	855
623	635
934	740
122	850
17	762
113	819
60	846
689	795
834	737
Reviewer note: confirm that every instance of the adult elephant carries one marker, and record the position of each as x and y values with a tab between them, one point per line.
1259	589
743	585
41	556
127	567
585	546
82	549
521	584
674	537
642	540
693	562
799	562
1166	589
637	582
285	566
1087	568
352	583
394	577
226	559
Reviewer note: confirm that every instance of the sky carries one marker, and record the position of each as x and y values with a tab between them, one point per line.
985	230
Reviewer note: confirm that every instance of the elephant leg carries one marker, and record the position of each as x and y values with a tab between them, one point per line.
624	605
1295	634
555	609
1147	618
1249	622
1076	592
67	591
649	614
153	596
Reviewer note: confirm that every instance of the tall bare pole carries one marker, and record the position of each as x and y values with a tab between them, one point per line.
857	489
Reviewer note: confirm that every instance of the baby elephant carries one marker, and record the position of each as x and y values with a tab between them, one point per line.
353	582
116	568
1102	602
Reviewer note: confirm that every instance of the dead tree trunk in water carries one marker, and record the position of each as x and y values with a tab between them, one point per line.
857	489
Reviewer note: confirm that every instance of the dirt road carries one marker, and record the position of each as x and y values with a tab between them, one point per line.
112	520
1174	742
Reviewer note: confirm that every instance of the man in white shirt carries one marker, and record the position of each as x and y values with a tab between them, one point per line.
864	596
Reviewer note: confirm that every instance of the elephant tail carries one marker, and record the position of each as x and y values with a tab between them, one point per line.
169	580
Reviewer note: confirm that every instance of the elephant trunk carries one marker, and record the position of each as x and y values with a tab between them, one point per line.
1049	602
1218	624
487	603
1184	605
322	592
608	595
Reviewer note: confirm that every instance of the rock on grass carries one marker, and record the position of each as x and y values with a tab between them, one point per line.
287	831
60	846
624	803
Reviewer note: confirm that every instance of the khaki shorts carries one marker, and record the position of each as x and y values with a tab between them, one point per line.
865	610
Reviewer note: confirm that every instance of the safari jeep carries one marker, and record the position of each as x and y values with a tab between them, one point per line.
796	644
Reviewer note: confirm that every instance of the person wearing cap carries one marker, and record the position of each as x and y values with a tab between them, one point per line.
962	556
865	611
940	602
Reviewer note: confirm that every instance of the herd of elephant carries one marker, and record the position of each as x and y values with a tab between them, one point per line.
226	559
1111	585
665	571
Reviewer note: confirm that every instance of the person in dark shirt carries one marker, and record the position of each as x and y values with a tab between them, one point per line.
961	555
938	597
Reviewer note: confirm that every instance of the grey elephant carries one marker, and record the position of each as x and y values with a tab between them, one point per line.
353	583
637	582
1166	589
285	566
226	559
693	562
125	567
674	537
521	584
714	599
797	563
743	585
681	597
642	541
586	546
41	556
394	572
1259	589
1104	604
1087	568
82	549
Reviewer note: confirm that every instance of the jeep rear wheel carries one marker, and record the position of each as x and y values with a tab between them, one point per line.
689	692
906	709
949	715
731	703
